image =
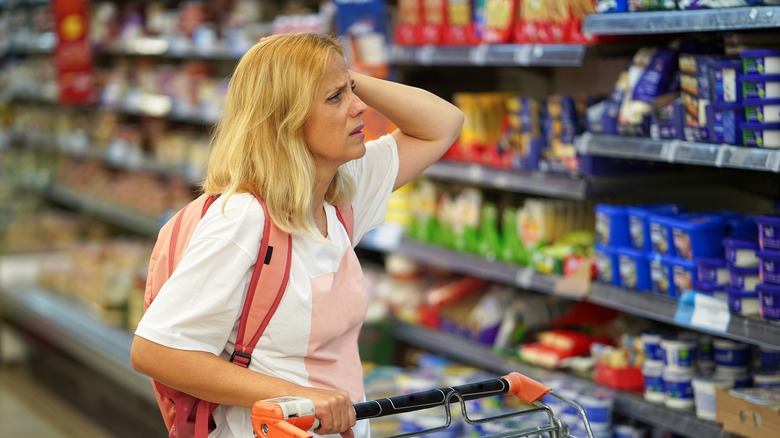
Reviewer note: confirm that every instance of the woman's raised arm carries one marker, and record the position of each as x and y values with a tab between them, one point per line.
427	124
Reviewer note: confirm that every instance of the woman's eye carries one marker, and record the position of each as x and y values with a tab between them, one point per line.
335	97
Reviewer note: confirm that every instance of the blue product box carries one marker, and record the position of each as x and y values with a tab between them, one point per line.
683	275
760	87
760	61
762	135
668	121
639	227
725	75
660	274
695	92
742	227
712	270
762	110
612	225
607	264
698	235
724	122
661	239
634	269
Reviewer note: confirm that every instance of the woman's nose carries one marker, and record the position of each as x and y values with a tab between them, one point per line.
358	106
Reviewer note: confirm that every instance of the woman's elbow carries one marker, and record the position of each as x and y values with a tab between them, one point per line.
457	119
139	355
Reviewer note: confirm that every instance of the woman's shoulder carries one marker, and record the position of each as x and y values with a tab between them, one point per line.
229	214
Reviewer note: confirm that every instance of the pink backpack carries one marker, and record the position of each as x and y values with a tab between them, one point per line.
185	415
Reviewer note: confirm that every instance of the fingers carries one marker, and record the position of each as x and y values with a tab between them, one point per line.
335	413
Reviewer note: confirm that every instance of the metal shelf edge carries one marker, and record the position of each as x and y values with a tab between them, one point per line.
678	151
534	183
105	211
703	20
524	55
70	327
646	305
481	356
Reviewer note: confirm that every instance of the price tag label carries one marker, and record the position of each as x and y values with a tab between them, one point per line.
425	55
478	54
710	313
524	278
703	311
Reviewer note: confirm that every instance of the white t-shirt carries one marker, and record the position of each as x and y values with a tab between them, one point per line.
312	338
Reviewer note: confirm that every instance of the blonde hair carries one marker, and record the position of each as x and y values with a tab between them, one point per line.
258	145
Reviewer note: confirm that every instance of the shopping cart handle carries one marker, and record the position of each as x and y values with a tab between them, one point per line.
513	383
526	388
283	417
292	416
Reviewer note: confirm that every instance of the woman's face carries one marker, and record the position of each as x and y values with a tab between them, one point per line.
333	131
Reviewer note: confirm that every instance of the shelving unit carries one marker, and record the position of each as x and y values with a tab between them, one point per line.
107	349
701	20
78	333
678	151
625	403
105	211
491	55
647	305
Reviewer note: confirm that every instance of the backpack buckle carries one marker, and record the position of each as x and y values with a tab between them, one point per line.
241	358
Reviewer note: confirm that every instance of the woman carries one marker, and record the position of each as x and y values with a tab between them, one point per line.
291	132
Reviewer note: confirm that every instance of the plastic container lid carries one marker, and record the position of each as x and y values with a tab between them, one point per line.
711	262
726	63
661	209
739	293
759	102
766	288
611	209
740	243
758	53
609	250
766	254
697	221
744	270
760	78
679	261
708	287
733	106
769	220
756	126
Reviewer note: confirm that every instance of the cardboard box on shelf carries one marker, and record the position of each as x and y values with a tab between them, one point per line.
750	412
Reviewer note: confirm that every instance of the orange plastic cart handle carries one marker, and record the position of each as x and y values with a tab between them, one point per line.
525	388
268	420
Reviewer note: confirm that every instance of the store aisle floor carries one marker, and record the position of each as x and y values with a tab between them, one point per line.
27	409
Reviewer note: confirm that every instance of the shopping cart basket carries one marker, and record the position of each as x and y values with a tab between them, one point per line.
293	416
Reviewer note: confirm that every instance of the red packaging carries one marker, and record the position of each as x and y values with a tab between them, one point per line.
460	24
434	22
499	20
409	26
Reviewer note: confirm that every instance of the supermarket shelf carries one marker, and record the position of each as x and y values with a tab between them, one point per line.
703	20
535	183
626	403
651	306
553	185
64	323
660	308
496	55
677	151
105	211
467	264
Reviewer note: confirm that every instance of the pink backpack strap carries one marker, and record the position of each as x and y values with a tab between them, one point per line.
347	218
260	305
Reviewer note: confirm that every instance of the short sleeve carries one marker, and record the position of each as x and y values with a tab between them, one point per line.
374	175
